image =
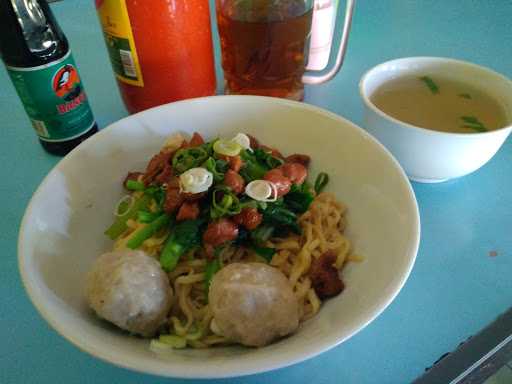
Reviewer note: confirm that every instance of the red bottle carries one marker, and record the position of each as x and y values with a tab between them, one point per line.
161	50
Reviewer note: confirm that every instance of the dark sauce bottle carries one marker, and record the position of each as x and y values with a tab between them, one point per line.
39	62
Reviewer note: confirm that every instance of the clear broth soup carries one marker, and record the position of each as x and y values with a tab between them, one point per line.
439	104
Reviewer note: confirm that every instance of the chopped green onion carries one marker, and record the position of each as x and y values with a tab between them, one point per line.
430	84
321	181
472	122
119	225
133	185
146	232
147	217
123	206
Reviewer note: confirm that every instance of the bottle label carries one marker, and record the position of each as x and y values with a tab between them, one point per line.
113	15
54	99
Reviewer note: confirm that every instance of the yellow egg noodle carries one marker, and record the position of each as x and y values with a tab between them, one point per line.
323	226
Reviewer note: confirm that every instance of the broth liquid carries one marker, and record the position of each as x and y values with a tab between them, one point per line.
454	107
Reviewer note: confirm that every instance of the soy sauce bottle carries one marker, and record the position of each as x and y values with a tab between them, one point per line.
39	62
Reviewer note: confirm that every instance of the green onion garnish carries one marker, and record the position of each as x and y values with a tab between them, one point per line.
321	181
430	84
133	185
147	217
146	232
473	123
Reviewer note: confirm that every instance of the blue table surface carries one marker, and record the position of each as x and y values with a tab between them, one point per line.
455	288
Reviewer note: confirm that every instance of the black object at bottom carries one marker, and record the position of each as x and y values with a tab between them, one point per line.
62	148
477	359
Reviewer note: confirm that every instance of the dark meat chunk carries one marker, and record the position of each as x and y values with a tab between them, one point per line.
220	231
253	142
296	172
235	163
188	211
324	276
250	218
281	182
298	158
159	168
173	200
196	140
234	181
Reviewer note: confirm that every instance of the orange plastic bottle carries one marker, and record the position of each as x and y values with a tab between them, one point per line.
161	50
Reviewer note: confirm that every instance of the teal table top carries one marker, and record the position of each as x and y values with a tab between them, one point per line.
462	277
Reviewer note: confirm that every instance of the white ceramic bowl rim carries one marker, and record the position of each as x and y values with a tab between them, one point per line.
295	356
372	71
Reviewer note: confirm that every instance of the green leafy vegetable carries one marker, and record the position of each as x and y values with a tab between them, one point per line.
465	95
299	198
281	218
183	237
253	167
266	252
247	202
119	225
262	233
321	181
146	232
212	267
430	84
133	185
472	122
187	158
224	203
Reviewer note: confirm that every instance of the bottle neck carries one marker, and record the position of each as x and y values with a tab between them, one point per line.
39	35
38	39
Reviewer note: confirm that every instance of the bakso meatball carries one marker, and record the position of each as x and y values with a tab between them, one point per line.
252	304
130	289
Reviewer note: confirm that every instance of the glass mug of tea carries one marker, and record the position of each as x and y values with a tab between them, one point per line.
264	46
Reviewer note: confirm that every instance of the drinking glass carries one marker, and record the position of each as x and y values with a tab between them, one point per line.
265	43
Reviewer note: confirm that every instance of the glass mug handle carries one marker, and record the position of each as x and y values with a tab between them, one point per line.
312	76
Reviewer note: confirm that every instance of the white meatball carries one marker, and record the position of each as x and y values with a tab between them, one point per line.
253	304
130	289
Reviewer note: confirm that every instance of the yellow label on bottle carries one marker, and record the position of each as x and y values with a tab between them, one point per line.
113	15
